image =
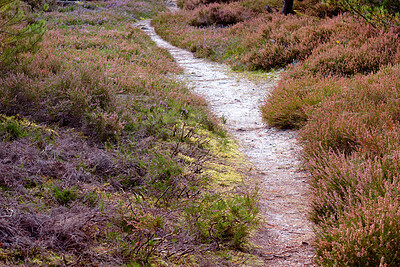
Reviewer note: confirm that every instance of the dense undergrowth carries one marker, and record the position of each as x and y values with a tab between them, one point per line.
341	88
106	160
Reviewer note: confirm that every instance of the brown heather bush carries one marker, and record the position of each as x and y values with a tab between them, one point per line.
192	4
220	15
276	41
333	46
340	182
366	235
319	80
255	5
351	146
359	49
293	100
362	115
315	8
309	7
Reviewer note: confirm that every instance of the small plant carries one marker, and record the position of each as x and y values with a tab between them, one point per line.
106	127
223	221
65	196
165	174
10	128
16	35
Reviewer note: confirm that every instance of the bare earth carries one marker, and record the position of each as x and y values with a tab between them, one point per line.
285	236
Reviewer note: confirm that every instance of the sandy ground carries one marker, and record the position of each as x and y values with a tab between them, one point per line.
285	235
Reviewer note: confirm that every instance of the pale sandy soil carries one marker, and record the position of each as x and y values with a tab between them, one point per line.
285	235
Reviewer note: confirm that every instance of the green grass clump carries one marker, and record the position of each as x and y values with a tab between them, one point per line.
10	129
221	220
65	196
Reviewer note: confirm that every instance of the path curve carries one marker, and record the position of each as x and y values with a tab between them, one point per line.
285	236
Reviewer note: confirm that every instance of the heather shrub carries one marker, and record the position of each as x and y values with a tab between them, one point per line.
192	4
334	46
351	147
258	6
292	100
362	50
362	115
339	182
316	8
348	131
104	126
366	235
220	15
340	131
276	40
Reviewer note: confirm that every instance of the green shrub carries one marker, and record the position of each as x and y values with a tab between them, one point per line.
223	220
41	5
376	13
10	128
65	196
17	35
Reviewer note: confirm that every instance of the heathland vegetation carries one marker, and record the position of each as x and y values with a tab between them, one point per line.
341	89
104	158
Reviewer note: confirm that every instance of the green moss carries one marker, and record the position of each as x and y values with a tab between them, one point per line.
222	175
16	126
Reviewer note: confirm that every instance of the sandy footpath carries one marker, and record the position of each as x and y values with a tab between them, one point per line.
285	236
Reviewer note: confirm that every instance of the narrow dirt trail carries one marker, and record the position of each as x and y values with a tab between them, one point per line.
285	235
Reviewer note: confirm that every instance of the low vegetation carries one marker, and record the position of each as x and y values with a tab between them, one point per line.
104	158
341	89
